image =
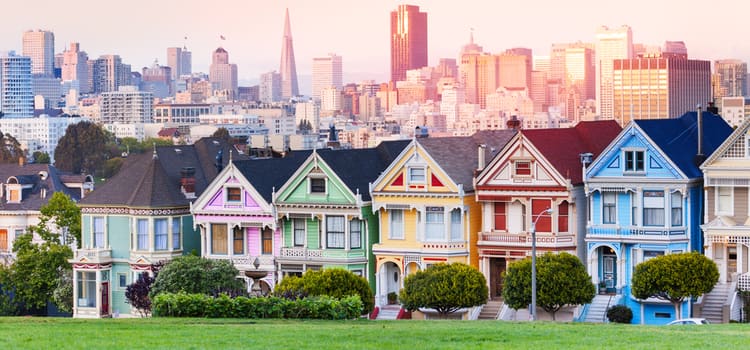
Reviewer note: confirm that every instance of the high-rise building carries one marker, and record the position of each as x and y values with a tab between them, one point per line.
658	87
515	68
16	90
108	73
611	44
330	100
180	60
222	74
270	87
157	80
326	72
288	68
408	40
75	67
40	46
468	69
127	105
730	78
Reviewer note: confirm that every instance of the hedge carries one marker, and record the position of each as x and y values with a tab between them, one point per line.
201	305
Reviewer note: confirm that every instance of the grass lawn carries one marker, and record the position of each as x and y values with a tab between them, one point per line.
171	333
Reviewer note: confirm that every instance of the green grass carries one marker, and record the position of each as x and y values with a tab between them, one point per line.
170	333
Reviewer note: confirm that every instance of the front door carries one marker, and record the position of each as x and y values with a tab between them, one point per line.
609	272
105	299
497	268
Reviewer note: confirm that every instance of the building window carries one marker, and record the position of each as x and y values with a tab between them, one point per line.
634	209
634	160
522	168
3	240
122	280
218	238
417	175
86	288
562	217
653	208
543	221
98	232
355	234
434	224
234	194
650	254
609	212
501	216
238	241
456	227
335	232
298	225
676	209
397	224
267	241
176	244
161	234
724	200
317	185
141	231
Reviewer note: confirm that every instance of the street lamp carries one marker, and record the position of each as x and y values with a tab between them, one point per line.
547	211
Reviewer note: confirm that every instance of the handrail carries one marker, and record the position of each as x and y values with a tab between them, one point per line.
604	316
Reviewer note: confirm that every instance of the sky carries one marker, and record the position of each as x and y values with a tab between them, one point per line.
141	30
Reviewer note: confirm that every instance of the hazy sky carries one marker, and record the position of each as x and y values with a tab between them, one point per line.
141	30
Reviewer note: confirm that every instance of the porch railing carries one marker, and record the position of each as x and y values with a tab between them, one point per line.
743	282
94	254
524	238
301	253
636	231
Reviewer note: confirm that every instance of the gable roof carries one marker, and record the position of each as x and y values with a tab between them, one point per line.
269	174
730	141
458	155
29	174
562	147
678	138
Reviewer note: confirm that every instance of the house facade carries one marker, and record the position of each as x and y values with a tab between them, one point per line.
426	207
645	197
535	181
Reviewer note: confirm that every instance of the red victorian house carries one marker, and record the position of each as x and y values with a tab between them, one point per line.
537	170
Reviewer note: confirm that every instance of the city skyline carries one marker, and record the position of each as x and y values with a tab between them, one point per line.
359	32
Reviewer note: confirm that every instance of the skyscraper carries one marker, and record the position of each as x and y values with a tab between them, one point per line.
75	67
108	73
408	40
40	46
270	87
16	91
180	61
222	74
731	78
611	44
326	72
288	69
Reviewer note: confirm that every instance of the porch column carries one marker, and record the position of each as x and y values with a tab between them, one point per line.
75	292
740	258
98	293
620	272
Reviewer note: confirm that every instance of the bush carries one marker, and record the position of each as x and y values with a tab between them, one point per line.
445	288
335	283
193	274
202	305
620	314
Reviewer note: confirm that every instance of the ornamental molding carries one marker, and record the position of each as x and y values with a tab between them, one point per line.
132	211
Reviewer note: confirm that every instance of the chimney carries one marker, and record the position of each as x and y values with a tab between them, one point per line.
21	161
700	157
480	157
513	123
187	181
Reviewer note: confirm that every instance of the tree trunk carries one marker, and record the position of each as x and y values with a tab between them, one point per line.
677	313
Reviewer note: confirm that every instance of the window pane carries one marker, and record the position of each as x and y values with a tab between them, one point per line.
299	232
456	228
500	216
676	209
234	194
562	217
176	233
160	234
142	232
608	208
725	200
397	223
653	208
523	168
317	185
355	234
434	224
86	289
335	232
218	239
544	221
238	239
416	174
267	239
98	232
3	240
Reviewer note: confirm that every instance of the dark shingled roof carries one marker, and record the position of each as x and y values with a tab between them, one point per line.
29	174
267	174
458	156
562	147
678	138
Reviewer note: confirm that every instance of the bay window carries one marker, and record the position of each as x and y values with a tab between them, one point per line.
355	234
218	239
98	232
141	231
434	224
298	226
161	234
653	208
676	209
609	208
238	241
335	234
397	224
456	227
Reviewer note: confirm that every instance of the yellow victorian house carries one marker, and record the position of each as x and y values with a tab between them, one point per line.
426	205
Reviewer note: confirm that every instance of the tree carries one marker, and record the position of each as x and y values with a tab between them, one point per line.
561	280
41	157
334	282
62	296
62	214
82	148
304	127
445	288
10	149
223	133
674	277
197	275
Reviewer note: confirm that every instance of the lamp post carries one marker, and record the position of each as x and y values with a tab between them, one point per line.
547	211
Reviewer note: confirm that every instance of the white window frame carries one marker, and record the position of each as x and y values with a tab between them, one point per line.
663	207
355	223
396	225
166	234
676	197
410	175
94	233
456	227
303	222
243	235
626	164
226	196
343	232
140	236
523	161
729	211
604	208
176	235
434	230
211	248
310	185
119	275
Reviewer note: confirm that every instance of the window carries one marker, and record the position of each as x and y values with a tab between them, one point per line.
176	234
98	232
676	209
218	239
653	208
650	254
355	234
456	228
501	216
234	194
141	231
3	240
417	175
608	208
267	241
335	232
122	280
724	201
522	168
86	288
317	185
13	196
634	209
562	217
434	224
238	241
298	225
543	221
634	161
397	224
161	233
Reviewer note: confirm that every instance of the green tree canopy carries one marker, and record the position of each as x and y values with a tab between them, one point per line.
674	277
63	215
41	157
194	274
561	280
445	288
223	133
10	149
334	282
83	148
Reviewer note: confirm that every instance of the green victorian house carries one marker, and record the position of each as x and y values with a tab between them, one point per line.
325	211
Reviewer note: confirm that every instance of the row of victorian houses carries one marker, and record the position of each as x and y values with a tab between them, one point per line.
614	197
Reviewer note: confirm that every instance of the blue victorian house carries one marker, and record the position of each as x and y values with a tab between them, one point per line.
645	199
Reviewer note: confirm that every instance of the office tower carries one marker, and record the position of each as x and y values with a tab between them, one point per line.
659	87
326	72
288	69
270	87
157	80
108	73
611	44
180	61
482	76
222	74
16	91
675	48
127	105
75	67
310	112
40	46
408	40
330	99
515	68
730	78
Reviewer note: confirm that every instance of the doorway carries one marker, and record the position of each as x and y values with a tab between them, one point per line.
497	269
609	269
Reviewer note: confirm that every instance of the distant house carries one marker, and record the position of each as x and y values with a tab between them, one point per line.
141	216
171	134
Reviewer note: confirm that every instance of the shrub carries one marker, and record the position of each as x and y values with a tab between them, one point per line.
620	314
336	283
193	274
445	288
